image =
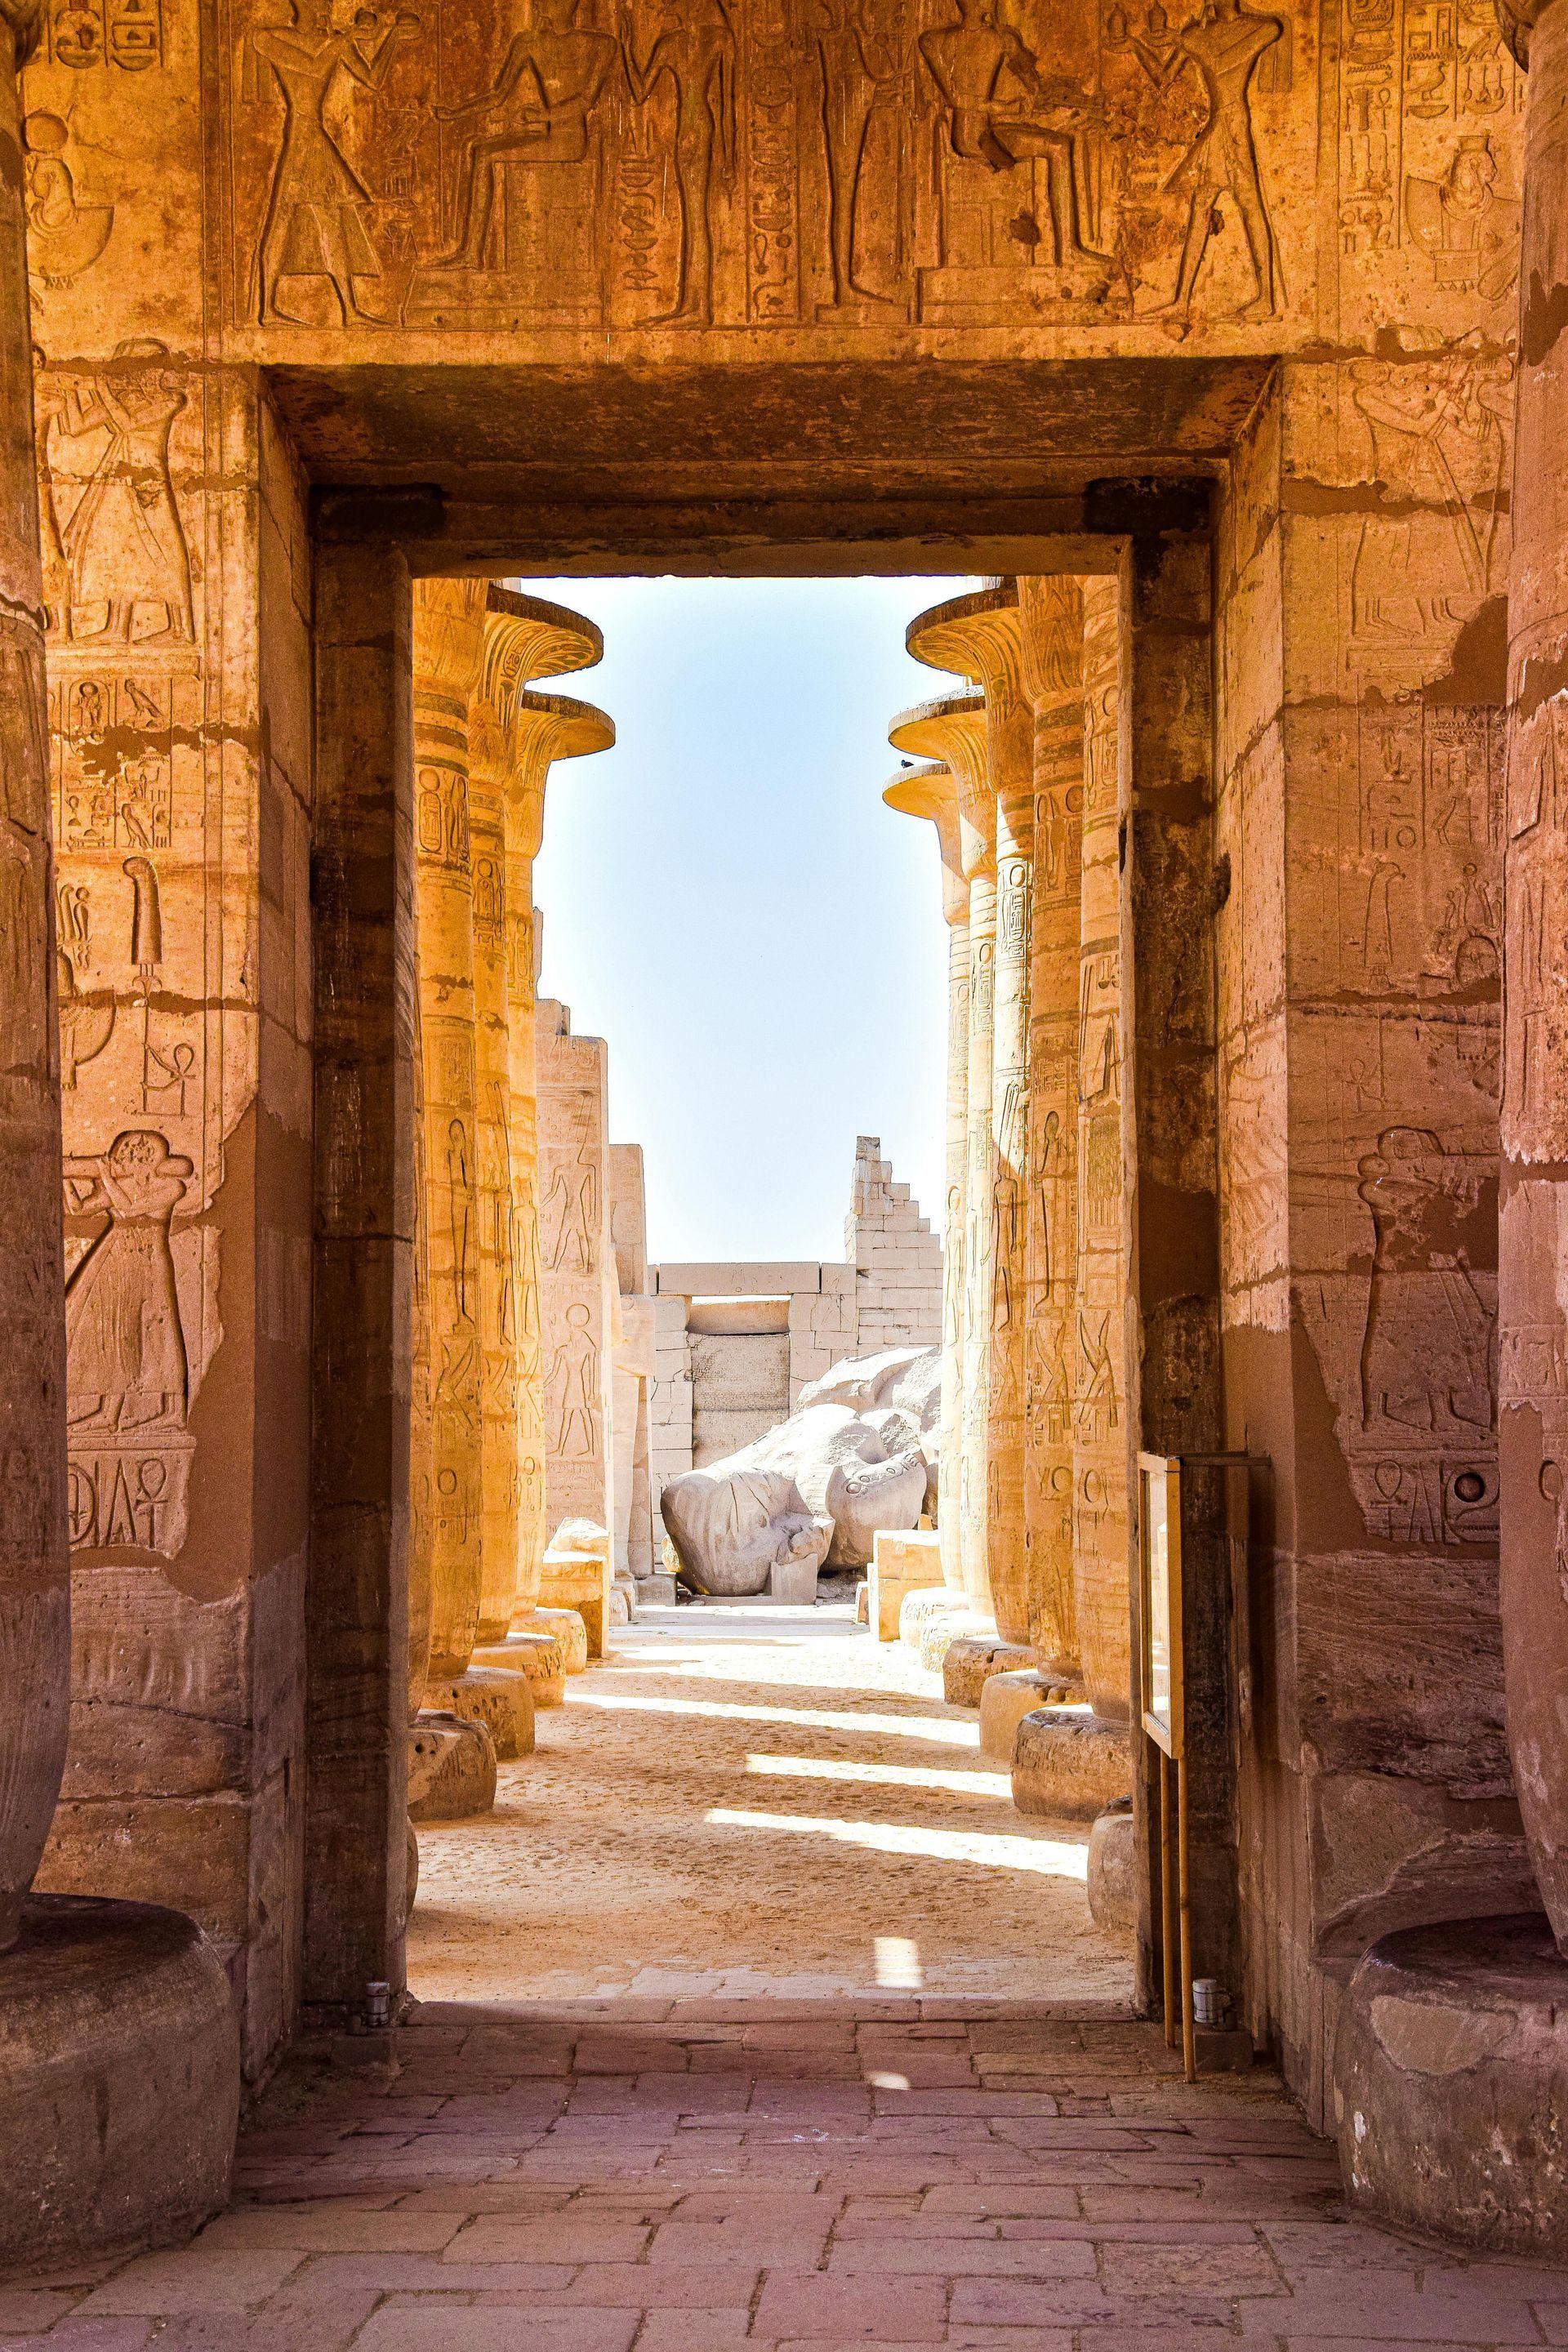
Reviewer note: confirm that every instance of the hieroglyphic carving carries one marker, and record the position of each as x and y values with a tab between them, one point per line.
124	34
589	162
129	1374
65	235
577	1282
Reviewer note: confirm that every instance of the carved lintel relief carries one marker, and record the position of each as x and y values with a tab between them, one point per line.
595	164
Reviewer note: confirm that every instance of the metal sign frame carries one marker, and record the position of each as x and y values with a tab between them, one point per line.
1162	1682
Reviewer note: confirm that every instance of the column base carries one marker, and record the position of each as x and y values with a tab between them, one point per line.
1006	1696
1451	2083
537	1656
119	2081
917	1607
1113	1871
494	1696
973	1659
1069	1764
451	1768
567	1627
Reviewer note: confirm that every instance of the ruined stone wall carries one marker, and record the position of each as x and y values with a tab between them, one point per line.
896	1256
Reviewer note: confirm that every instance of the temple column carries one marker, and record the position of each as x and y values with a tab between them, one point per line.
931	792
953	730
1101	1381
1052	612
1533	1218
449	645
526	639
34	1586
981	636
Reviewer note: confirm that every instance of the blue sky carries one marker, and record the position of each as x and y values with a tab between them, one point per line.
727	901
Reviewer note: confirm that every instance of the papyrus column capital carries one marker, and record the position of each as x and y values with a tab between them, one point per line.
951	731
931	791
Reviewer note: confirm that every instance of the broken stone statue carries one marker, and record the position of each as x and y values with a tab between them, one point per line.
858	1455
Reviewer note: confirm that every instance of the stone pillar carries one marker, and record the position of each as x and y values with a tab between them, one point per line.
980	636
35	1593
489	771
983	638
577	1284
545	727
448	645
953	731
1533	1219
1052	613
1100	1383
931	791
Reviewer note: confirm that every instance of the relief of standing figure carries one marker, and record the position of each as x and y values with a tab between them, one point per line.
859	70
1224	44
125	1348
695	45
318	209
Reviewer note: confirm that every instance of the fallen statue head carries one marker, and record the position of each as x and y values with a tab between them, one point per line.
858	1455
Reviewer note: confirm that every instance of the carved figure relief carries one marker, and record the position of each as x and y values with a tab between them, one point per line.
319	215
1222	46
113	516
859	70
1426	1358
65	235
1465	223
642	163
125	1344
1000	112
570	1216
124	34
571	1391
694	47
538	111
1438	458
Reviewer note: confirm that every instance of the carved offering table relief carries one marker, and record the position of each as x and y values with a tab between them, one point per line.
953	730
931	791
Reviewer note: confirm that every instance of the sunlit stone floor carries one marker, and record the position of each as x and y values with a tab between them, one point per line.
746	1799
686	2116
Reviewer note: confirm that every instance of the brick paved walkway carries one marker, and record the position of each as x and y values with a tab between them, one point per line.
691	2177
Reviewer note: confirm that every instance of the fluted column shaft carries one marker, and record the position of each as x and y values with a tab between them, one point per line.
1533	1223
448	644
1100	1401
1052	613
35	1579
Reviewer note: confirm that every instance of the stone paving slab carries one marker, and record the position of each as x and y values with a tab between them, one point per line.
646	2204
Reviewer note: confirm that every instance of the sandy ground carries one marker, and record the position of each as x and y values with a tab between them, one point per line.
750	1799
